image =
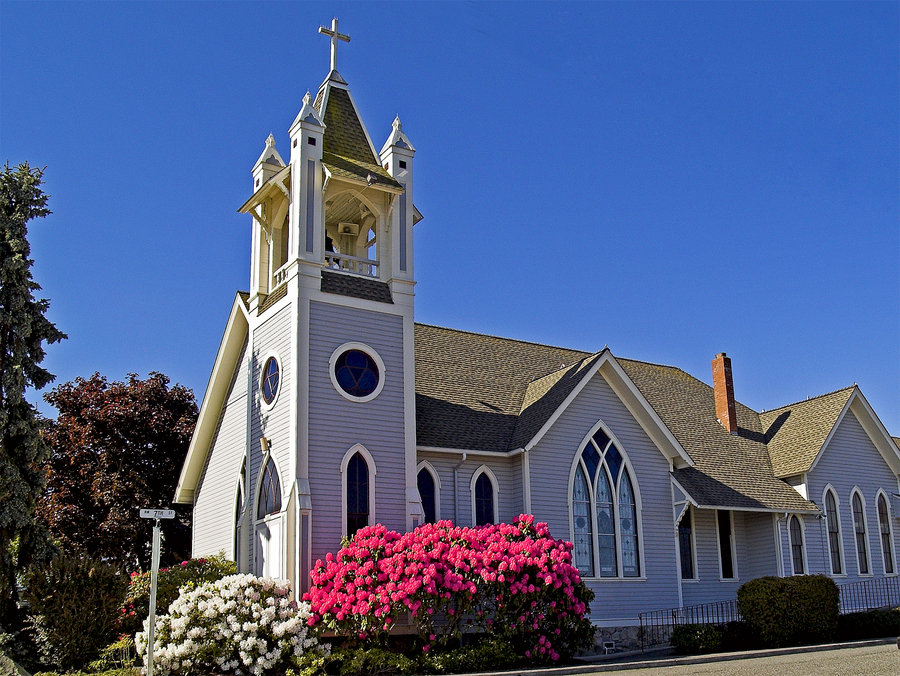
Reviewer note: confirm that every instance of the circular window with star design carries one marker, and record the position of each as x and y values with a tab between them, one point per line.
357	372
270	381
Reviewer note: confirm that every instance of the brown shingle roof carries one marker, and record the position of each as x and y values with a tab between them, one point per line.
470	387
488	393
345	147
795	433
355	287
731	470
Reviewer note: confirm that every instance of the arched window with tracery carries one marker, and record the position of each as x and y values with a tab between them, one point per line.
269	492
605	511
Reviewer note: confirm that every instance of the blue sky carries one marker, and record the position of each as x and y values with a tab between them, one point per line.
671	179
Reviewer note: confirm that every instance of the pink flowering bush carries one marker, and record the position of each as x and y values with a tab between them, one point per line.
513	581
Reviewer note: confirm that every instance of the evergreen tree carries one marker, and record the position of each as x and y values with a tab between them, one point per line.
23	331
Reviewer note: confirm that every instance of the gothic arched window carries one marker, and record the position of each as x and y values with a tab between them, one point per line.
427	494
884	528
833	521
357	494
797	557
605	511
859	527
484	493
269	492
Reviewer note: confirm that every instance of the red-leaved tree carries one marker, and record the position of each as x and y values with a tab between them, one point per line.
117	447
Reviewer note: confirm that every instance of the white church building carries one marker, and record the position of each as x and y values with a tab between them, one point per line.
330	408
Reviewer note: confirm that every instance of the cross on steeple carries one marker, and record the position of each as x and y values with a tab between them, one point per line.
335	36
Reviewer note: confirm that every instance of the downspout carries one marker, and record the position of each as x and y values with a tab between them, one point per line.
456	488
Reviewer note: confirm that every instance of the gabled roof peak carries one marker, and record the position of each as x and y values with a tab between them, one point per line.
308	113
397	138
269	154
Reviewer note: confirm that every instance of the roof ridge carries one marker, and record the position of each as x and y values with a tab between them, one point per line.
586	353
804	401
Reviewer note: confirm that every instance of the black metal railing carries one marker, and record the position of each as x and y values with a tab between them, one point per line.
879	592
657	625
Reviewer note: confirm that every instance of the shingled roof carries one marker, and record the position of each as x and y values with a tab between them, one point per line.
796	433
345	147
479	392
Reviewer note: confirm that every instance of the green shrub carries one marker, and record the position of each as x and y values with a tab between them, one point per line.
692	639
118	655
75	608
358	661
791	610
168	585
489	655
869	624
739	635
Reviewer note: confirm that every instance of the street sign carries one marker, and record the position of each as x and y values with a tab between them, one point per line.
157	513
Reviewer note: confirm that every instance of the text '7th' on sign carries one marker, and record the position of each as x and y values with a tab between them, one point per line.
157	513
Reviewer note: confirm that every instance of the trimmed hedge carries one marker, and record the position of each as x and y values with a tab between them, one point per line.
693	639
792	610
869	624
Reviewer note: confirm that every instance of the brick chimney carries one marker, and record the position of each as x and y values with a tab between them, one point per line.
723	387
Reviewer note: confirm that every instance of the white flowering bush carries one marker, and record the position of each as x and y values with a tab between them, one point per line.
240	624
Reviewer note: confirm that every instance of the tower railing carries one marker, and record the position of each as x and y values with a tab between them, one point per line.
352	264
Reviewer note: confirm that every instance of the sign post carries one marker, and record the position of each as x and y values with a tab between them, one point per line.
156	515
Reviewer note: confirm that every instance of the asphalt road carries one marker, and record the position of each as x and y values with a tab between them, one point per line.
863	661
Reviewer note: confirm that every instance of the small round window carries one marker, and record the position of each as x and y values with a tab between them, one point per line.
356	373
270	380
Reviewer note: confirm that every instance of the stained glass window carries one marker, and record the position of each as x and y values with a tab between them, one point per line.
357	373
726	555
269	492
271	377
604	515
581	508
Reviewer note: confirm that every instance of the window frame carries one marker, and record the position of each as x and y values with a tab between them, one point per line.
428	467
626	467
239	511
495	495
264	405
732	544
855	492
370	463
379	362
829	490
688	514
791	520
882	496
276	517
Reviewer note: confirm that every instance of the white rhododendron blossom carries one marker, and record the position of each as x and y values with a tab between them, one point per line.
240	624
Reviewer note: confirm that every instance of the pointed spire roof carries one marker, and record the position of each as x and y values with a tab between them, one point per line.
269	154
397	137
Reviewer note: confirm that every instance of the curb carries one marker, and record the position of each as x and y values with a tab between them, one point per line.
668	661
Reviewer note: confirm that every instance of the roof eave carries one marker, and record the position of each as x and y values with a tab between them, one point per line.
216	390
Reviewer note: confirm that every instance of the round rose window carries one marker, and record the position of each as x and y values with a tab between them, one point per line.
356	373
270	380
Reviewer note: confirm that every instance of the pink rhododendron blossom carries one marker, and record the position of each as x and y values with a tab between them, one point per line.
514	580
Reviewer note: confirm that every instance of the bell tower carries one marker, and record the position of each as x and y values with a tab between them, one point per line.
332	302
